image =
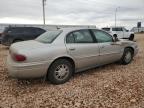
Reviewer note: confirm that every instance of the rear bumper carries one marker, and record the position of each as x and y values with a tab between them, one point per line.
26	70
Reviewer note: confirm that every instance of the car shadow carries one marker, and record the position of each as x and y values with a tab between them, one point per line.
96	69
37	81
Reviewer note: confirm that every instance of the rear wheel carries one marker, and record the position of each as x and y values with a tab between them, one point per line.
60	71
127	56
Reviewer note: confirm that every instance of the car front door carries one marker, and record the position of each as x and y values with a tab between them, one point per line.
119	32
110	51
126	33
82	47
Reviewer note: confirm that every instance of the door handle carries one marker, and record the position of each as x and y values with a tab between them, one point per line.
72	49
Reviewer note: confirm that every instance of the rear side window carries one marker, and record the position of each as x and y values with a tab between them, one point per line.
27	30
81	36
70	38
32	30
106	29
117	29
14	30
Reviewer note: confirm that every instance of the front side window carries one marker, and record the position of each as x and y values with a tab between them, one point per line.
39	31
82	36
49	37
125	30
102	37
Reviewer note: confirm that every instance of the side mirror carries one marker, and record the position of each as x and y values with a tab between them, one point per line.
115	38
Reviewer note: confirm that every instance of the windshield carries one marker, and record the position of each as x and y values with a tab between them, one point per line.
106	29
49	36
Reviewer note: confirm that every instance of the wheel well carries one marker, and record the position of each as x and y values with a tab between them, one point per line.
131	49
66	58
115	35
132	35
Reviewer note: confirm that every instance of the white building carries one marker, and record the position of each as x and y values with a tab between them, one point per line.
136	29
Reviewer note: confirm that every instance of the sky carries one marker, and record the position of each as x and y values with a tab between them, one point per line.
73	12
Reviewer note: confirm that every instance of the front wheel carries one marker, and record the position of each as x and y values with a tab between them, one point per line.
60	71
127	56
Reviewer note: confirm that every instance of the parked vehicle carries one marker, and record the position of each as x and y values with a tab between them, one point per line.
120	32
16	34
0	35
58	54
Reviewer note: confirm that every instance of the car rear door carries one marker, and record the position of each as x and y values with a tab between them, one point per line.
110	51
82	47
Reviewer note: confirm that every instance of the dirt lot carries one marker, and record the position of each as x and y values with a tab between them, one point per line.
111	86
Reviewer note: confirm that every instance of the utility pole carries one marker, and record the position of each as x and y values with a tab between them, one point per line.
116	16
43	4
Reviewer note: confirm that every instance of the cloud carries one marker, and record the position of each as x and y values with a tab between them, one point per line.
100	13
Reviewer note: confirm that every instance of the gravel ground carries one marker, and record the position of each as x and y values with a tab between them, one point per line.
110	86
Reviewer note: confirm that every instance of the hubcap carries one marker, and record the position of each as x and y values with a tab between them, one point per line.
61	72
128	56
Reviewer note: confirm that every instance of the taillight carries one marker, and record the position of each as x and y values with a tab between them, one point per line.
19	57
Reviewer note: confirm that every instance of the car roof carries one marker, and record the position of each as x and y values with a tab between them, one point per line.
117	26
73	29
114	27
21	27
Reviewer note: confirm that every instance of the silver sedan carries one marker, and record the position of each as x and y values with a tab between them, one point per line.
58	54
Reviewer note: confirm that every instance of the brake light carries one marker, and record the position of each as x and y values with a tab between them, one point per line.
19	57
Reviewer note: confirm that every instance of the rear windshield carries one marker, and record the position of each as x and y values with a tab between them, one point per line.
106	29
117	29
49	37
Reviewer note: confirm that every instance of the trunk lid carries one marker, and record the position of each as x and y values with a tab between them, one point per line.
27	45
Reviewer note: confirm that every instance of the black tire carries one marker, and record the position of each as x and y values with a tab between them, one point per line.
127	56
115	35
131	37
55	71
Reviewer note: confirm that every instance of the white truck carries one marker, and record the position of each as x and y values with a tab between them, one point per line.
120	32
